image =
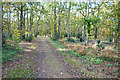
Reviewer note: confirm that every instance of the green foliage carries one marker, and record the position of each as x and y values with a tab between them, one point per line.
74	34
3	40
65	35
98	41
101	46
76	54
16	37
57	44
30	38
23	36
9	52
96	60
79	35
37	33
70	40
110	39
11	35
109	65
81	40
17	72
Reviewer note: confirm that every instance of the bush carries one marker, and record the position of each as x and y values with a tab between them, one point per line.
101	46
96	60
65	35
30	38
10	35
79	35
23	36
3	40
36	34
81	40
74	34
70	40
110	40
98	41
9	52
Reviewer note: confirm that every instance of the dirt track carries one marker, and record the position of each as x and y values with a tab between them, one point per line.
48	64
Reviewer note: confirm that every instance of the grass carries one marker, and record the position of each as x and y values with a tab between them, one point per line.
19	69
18	72
8	52
71	57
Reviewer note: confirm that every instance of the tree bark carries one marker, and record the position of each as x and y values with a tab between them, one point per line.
30	21
21	17
0	38
55	32
68	20
18	19
27	23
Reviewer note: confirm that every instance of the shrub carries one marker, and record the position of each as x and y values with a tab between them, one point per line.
3	40
98	41
30	38
70	40
79	35
16	37
110	40
101	46
11	35
65	35
9	52
74	34
96	60
23	36
81	40
36	34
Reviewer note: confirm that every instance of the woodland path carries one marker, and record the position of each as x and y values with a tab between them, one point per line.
48	64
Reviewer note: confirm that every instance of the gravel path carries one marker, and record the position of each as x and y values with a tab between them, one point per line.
48	64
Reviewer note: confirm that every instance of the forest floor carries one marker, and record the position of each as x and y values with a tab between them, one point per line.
39	60
45	58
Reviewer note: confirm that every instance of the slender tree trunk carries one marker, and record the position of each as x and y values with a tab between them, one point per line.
68	20
3	34
24	25
21	20
0	38
83	33
7	27
30	21
113	35
59	26
55	32
9	24
27	23
21	17
18	19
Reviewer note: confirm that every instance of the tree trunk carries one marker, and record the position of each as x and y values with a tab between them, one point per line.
30	21
27	23
59	26
18	19
21	17
55	32
83	33
0	38
68	20
24	25
9	24
21	20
